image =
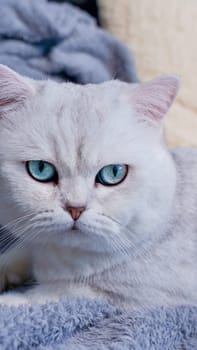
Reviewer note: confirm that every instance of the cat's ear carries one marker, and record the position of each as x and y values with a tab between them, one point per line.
14	90
151	100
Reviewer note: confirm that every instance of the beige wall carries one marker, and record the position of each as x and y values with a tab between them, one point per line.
163	37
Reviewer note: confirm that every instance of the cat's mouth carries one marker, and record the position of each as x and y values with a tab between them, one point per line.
74	227
77	228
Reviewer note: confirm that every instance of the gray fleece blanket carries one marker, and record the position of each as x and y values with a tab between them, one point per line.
43	39
75	324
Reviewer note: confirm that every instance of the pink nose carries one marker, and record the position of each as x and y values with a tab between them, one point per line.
75	212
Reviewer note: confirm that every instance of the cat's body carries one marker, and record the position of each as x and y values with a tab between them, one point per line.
133	243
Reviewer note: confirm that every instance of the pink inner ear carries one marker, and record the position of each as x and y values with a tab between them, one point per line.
13	90
153	99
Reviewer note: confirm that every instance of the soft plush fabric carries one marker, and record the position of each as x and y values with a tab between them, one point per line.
89	6
41	39
75	324
162	37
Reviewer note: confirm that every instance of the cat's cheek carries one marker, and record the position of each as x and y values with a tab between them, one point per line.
35	196
113	202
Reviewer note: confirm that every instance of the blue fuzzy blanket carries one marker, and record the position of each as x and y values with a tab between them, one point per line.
42	39
76	324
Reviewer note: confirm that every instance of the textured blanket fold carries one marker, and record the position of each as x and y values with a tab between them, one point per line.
76	324
41	39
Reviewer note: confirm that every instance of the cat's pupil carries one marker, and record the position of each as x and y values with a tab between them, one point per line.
115	171
41	166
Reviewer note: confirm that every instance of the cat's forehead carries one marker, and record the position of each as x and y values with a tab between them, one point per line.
85	122
81	105
78	126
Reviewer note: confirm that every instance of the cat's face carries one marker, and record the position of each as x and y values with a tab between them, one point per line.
100	149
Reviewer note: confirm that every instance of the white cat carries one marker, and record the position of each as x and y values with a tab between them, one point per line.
91	195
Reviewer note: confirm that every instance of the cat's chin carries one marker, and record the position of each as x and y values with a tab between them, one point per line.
77	237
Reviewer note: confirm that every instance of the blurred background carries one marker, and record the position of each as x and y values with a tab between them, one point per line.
162	36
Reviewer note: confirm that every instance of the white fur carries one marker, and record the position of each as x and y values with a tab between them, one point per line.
80	129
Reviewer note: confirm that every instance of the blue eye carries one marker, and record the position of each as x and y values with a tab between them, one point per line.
112	174
41	171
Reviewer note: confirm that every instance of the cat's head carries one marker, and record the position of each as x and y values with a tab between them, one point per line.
85	166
